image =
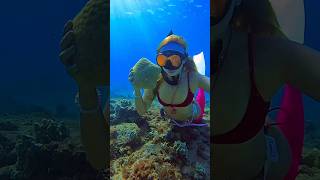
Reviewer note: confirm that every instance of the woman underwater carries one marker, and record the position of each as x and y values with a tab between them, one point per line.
252	56
178	82
255	60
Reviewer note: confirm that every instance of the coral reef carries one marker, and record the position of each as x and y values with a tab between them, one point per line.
200	171
8	126
123	111
126	133
43	148
125	136
151	169
180	148
310	162
48	130
7	153
60	160
163	151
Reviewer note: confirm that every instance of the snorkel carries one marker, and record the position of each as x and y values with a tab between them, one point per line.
220	27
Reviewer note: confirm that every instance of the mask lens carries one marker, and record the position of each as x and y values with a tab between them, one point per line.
175	60
161	60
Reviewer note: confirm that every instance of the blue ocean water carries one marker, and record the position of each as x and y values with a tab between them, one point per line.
30	69
30	31
312	39
137	28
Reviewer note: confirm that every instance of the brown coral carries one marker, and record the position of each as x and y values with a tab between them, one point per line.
151	169
142	169
167	171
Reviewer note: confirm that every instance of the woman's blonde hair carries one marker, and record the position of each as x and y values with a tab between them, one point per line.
258	17
189	65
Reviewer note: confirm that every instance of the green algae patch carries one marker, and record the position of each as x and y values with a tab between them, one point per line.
92	40
126	133
146	74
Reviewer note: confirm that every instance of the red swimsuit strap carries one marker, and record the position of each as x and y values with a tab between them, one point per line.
185	103
257	109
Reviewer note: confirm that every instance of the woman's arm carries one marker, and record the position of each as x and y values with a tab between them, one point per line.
302	68
143	103
285	61
93	126
204	82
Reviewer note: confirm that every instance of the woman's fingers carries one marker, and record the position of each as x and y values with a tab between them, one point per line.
131	76
67	56
67	40
68	27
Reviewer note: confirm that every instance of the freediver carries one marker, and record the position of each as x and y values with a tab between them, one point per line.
252	60
176	86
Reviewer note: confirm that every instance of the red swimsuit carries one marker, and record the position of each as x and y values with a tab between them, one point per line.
254	118
185	103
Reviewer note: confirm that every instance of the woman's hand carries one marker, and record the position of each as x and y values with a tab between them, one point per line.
67	56
131	78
